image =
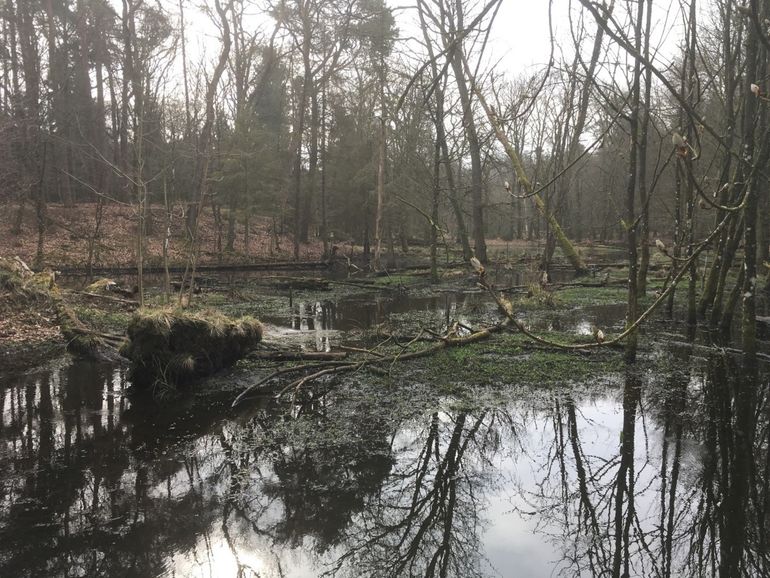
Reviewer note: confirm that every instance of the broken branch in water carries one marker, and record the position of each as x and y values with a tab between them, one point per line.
506	307
337	367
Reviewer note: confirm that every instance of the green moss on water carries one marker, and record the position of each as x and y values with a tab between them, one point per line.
509	360
582	296
211	299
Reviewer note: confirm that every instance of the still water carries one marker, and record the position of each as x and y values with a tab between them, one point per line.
320	324
661	472
367	482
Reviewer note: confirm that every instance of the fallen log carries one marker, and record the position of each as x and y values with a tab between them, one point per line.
264	266
303	284
712	349
81	339
363	285
130	302
297	355
558	286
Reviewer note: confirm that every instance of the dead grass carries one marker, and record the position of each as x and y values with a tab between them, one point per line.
168	347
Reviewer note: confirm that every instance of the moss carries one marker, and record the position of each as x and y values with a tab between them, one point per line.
510	360
400	279
21	286
581	296
170	346
80	339
83	345
213	299
104	320
10	282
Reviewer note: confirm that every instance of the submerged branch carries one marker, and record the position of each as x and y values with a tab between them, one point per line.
334	368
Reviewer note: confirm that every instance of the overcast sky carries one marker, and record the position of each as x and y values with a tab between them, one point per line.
519	42
519	35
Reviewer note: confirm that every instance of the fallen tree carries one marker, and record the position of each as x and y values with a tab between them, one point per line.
373	361
24	292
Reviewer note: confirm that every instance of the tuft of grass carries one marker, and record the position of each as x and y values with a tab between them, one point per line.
169	347
539	298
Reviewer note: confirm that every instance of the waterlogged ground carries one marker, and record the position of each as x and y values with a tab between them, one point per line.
499	459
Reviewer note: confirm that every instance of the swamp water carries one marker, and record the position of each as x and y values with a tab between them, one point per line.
661	472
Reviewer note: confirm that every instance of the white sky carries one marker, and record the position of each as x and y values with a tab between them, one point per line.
519	43
519	36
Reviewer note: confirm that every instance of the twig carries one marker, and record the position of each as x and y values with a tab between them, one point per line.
361	350
108	298
297	355
333	368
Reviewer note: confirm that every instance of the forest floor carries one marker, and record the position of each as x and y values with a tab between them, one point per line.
69	229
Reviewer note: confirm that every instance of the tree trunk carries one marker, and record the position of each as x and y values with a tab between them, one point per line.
380	197
307	203
748	323
474	149
203	142
644	223
567	248
441	140
633	160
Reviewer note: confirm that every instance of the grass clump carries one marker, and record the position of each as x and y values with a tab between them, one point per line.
168	347
538	297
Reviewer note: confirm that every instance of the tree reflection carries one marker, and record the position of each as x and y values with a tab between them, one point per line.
317	470
426	519
685	493
384	493
75	502
664	475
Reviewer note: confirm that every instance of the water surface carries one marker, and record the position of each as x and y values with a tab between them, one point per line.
658	472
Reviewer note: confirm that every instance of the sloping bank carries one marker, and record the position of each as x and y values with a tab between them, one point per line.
165	347
36	318
35	323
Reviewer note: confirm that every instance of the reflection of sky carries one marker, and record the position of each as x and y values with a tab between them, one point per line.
522	540
515	484
516	543
516	539
216	555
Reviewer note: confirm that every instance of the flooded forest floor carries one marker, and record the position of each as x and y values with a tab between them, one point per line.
496	458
